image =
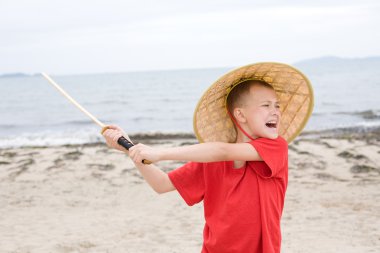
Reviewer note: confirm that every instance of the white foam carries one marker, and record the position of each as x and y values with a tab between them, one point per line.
50	139
374	123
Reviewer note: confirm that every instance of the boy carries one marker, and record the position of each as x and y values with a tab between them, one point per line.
242	180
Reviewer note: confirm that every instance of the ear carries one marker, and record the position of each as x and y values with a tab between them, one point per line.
239	115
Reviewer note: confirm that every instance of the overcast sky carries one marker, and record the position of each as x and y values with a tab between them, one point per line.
72	37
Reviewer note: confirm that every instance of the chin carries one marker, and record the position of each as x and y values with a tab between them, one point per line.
271	136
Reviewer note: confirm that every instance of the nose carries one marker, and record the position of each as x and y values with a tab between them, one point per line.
275	110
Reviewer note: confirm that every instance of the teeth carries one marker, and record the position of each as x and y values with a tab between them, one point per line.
271	124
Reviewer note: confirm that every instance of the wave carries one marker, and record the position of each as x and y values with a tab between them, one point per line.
138	119
44	124
361	132
367	114
79	122
107	102
44	139
7	126
158	135
47	139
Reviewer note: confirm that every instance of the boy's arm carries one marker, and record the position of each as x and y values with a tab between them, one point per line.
204	152
155	177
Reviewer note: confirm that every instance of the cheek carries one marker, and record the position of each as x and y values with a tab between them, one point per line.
255	111
259	113
258	117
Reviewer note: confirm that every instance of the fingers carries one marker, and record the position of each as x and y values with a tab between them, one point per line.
112	130
135	154
138	153
116	128
112	134
112	127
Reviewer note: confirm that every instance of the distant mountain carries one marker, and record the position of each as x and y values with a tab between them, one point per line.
6	75
337	64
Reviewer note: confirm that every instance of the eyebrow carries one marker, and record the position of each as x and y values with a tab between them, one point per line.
270	101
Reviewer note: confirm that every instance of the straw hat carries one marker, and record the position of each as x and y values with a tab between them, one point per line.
293	89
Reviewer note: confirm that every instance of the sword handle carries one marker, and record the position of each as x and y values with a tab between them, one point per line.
127	145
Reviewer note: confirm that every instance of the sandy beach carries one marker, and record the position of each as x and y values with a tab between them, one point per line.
88	198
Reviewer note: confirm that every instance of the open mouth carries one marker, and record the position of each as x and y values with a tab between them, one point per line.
271	124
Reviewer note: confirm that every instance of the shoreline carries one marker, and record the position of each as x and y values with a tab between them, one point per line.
351	133
345	133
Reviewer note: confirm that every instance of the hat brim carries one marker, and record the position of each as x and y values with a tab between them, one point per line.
211	121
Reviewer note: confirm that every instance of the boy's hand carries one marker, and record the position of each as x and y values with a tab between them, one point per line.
141	151
112	134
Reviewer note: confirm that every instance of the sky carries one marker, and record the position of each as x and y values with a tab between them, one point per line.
76	37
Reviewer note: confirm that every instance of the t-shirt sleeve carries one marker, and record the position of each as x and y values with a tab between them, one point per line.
189	182
274	153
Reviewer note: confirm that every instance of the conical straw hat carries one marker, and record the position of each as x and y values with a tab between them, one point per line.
294	91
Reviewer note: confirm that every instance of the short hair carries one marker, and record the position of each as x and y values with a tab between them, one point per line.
236	96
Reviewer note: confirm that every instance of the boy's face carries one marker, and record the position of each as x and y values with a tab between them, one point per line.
261	111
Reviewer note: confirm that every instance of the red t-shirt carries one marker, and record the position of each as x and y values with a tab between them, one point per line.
242	207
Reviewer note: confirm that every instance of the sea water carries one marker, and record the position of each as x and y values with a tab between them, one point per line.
33	113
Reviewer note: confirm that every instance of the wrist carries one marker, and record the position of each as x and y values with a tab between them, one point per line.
161	154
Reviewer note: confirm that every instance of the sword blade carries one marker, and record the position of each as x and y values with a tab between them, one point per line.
72	100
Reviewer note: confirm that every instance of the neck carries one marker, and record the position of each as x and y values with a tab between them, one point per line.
241	138
242	135
245	136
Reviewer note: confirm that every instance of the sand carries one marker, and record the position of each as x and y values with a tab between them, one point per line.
88	198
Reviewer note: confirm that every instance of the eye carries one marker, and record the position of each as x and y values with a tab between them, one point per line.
265	105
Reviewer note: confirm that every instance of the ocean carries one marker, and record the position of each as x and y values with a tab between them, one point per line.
33	113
